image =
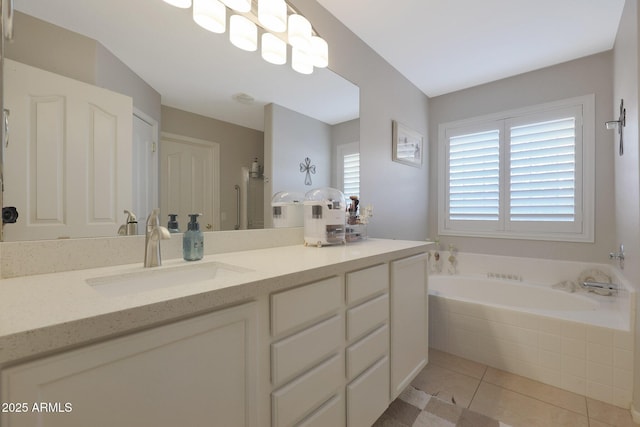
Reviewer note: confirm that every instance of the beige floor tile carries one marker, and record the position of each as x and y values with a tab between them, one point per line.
546	393
403	412
415	397
427	419
607	413
596	423
522	411
473	419
446	385
387	421
456	363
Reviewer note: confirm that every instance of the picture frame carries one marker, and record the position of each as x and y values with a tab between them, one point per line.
407	145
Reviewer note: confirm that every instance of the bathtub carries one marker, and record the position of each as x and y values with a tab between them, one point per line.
579	341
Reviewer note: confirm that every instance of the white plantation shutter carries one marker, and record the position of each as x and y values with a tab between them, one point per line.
543	171
520	174
474	168
351	174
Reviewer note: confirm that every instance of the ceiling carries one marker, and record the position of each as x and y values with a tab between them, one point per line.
439	45
443	46
196	70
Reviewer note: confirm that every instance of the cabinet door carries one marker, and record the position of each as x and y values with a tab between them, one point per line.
409	320
196	372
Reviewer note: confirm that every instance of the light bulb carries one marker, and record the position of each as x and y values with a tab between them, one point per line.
210	15
238	5
299	32
243	33
182	4
273	15
274	50
301	61
319	52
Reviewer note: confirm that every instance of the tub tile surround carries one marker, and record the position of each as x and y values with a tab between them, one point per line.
52	256
589	360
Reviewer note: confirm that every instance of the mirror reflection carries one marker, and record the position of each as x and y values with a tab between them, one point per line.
172	116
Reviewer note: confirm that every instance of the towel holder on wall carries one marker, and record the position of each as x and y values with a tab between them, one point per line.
619	124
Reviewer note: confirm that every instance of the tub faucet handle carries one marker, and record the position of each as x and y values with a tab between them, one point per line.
618	256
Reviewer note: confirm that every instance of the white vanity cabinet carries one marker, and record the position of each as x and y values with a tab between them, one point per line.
332	351
199	371
409	320
367	351
307	362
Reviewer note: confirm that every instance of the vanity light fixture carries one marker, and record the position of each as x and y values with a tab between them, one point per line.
277	21
272	14
320	52
619	124
299	32
274	49
238	5
243	33
210	15
301	61
182	4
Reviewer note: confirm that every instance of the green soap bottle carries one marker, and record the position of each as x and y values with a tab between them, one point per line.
193	240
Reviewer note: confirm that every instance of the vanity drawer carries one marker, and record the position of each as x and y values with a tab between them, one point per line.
367	316
366	283
366	351
300	306
295	353
331	413
368	395
306	393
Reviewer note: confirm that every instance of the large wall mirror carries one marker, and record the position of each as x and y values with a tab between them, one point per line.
194	112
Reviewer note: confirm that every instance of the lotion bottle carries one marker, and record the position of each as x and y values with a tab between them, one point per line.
193	240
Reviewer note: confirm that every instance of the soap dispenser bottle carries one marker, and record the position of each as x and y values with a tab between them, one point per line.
172	226
193	240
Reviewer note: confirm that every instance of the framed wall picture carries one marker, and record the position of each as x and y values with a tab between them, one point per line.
407	145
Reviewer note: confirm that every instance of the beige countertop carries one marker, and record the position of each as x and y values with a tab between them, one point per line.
44	313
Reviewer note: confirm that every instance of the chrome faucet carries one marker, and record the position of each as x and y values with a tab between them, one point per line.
155	233
601	288
619	256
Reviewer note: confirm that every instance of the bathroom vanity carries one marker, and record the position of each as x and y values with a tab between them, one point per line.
283	336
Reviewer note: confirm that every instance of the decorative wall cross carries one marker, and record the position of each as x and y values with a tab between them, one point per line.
309	169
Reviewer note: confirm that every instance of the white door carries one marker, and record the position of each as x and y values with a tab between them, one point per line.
145	167
188	180
68	163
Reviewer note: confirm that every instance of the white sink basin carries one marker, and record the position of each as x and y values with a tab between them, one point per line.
163	277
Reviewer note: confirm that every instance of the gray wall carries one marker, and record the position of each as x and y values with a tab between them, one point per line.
385	95
298	137
238	147
592	74
627	167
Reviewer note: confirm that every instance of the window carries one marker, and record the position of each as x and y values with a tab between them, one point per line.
349	169
520	174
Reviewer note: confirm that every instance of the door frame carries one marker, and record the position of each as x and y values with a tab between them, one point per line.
155	193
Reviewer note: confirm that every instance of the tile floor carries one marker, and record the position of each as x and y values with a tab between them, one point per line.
470	394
